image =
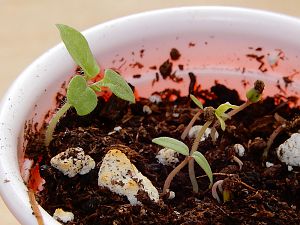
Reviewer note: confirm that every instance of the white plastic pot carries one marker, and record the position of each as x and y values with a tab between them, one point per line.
222	39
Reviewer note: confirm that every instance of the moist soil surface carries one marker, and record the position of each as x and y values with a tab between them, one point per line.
259	194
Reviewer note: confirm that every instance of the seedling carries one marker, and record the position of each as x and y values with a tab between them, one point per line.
253	95
81	92
183	149
209	114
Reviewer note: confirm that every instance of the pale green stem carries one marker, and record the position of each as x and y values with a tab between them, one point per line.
194	148
189	126
53	122
193	176
199	136
240	108
173	173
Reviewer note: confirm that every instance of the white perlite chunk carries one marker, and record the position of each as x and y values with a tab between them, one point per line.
118	128
119	175
73	161
167	157
63	216
269	164
289	151
239	149
155	99
171	195
195	130
147	110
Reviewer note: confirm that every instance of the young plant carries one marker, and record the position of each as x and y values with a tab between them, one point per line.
183	149
209	114
81	92
253	95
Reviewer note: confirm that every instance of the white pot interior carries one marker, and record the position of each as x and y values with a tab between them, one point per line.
222	38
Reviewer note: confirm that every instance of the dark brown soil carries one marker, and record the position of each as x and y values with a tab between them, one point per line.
260	195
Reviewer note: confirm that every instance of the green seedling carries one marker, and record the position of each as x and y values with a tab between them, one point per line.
221	115
81	91
253	95
183	149
210	115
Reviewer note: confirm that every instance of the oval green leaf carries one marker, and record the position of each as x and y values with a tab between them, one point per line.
173	144
117	85
202	162
196	101
79	49
80	96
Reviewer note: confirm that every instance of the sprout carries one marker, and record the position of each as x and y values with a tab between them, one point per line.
225	192
81	93
182	148
254	94
221	115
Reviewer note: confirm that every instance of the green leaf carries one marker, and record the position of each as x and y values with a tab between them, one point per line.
224	107
117	85
196	101
201	160
222	122
79	49
173	144
80	96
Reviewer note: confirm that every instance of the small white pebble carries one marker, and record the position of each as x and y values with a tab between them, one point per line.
147	110
176	115
155	99
289	151
294	207
63	216
195	130
171	195
73	161
269	164
239	149
120	176
176	212
290	168
117	128
167	157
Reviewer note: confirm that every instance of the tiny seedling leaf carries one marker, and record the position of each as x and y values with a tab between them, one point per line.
221	115
221	121
79	49
80	96
224	107
196	101
201	160
173	144
117	85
